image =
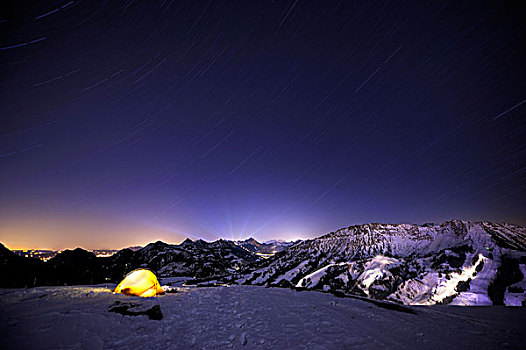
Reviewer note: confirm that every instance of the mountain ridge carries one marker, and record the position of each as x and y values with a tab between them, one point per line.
406	263
454	262
79	266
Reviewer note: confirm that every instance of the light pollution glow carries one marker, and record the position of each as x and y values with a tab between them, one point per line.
59	233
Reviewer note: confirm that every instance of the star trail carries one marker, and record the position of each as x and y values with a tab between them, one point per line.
124	122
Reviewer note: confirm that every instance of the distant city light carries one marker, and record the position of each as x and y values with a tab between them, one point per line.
46	255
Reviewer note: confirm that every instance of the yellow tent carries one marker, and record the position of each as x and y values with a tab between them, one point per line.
141	282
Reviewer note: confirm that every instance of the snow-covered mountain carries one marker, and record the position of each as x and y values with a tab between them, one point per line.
456	262
269	247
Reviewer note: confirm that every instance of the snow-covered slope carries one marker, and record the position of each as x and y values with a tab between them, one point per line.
456	262
269	247
243	317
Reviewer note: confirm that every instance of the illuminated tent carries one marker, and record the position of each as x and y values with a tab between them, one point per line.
140	282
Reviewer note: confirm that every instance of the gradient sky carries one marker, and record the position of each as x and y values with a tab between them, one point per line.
124	122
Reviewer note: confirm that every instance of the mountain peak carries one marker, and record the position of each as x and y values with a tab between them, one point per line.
155	245
201	243
187	241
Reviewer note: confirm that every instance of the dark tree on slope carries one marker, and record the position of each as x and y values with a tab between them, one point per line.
508	273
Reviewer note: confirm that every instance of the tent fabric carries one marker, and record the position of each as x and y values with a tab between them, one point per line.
140	282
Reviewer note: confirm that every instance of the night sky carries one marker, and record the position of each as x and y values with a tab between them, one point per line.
124	122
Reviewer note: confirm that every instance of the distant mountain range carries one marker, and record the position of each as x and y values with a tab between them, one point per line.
198	259
269	247
456	262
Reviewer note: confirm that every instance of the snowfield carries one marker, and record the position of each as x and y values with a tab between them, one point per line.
245	317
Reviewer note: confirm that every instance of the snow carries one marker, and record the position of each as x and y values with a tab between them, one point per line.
479	285
311	280
174	281
513	299
433	287
290	274
516	298
446	287
376	269
415	291
244	317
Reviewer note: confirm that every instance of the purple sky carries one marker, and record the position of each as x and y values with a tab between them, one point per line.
124	122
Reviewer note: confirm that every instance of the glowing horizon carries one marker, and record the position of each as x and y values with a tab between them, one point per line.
64	235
